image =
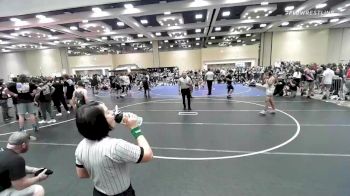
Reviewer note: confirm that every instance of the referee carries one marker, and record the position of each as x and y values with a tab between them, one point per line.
105	159
185	83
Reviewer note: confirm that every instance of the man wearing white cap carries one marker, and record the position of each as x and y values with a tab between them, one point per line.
16	178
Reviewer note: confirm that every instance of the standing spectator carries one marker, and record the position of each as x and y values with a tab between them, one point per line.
145	84
68	88
209	77
310	77
112	158
80	96
297	77
94	84
58	97
16	178
347	81
3	101
44	99
184	89
25	92
328	75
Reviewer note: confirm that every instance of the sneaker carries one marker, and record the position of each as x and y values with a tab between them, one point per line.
68	112
42	122
59	114
32	138
272	112
262	112
52	121
189	108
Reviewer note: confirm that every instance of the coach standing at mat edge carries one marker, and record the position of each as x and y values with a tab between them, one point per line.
106	159
209	77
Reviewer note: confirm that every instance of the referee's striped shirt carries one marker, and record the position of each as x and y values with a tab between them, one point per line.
107	162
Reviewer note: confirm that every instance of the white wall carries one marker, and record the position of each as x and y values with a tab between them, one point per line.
304	46
35	62
144	60
345	46
184	59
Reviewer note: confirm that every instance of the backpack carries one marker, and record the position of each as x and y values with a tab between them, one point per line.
80	99
348	74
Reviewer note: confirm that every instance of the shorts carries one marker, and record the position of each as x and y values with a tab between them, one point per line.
29	191
23	108
269	92
230	87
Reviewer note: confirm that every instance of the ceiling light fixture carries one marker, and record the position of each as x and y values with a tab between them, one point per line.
128	6
248	35
209	43
144	21
199	16
96	9
197	44
253	40
285	23
104	38
217	28
197	38
158	34
226	13
85	21
289	8
264	3
263	25
171	46
123	44
321	5
15	19
120	24
41	17
212	37
167	13
239	40
17	29
334	20
198	30
139	35
73	28
52	30
166	41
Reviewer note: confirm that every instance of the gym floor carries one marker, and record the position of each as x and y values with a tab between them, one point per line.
223	148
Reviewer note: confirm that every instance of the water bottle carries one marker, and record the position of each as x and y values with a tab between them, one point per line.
120	116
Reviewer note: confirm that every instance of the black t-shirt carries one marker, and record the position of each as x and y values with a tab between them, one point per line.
12	167
70	88
24	91
58	89
229	79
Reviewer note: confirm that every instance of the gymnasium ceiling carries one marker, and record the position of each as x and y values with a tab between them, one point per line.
132	26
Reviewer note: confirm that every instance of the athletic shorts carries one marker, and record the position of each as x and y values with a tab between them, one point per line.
23	108
269	92
230	87
29	191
